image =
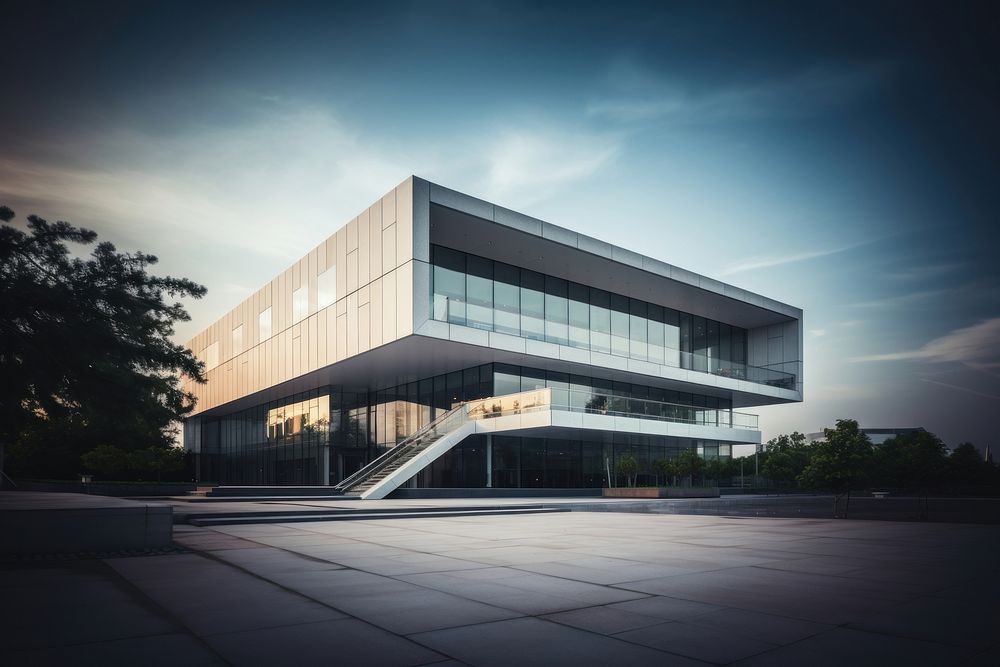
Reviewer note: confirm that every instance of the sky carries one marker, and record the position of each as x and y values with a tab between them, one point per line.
840	157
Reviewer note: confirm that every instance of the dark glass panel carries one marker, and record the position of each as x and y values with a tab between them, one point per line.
532	305
619	325
579	316
556	311
479	297
562	464
506	462
506	299
600	321
532	463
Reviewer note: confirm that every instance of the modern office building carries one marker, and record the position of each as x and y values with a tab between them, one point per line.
457	343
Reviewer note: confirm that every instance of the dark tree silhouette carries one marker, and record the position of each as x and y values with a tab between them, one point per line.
85	350
785	458
966	466
914	461
840	463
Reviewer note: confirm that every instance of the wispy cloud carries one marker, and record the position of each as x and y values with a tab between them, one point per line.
907	299
755	263
977	346
257	186
642	96
965	389
286	175
817	333
925	271
524	163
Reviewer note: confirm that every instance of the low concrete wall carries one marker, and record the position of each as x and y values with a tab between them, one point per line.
495	493
34	523
662	492
124	489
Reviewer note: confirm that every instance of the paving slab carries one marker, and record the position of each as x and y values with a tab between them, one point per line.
340	642
697	642
212	597
71	604
605	620
843	646
573	588
167	650
528	642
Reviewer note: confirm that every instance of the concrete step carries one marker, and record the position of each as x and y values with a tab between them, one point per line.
240	518
260	491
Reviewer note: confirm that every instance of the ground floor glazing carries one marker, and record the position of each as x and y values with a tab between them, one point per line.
322	436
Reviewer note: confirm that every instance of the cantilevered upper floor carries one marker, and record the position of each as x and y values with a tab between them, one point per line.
428	280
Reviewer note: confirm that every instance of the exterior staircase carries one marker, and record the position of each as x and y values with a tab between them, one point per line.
389	471
386	473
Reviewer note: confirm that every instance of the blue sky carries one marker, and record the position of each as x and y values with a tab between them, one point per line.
842	160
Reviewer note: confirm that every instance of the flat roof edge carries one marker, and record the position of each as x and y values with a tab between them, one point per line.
480	208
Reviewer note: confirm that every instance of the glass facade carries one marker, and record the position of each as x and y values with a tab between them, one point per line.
523	462
329	434
484	294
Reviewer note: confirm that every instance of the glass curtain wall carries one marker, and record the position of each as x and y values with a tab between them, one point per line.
473	291
289	441
559	463
283	442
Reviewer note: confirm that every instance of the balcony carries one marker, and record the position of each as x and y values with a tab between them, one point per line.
453	311
590	402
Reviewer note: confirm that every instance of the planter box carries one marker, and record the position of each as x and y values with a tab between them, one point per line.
662	492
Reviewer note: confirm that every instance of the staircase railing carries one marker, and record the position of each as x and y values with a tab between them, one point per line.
413	444
521	402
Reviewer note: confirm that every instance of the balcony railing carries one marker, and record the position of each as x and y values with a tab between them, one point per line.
608	404
442	312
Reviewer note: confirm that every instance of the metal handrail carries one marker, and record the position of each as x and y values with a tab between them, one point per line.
685	414
712	365
417	441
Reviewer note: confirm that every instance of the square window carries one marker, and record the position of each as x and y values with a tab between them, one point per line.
264	324
300	303
326	285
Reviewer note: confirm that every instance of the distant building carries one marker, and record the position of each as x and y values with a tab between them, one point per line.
876	435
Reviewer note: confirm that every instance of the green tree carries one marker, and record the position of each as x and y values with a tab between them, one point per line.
714	470
107	460
85	350
785	457
156	461
840	463
689	465
665	468
628	467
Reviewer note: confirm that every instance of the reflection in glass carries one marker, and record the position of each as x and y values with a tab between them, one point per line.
532	305
478	292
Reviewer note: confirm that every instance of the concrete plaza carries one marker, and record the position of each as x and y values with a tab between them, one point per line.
577	588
